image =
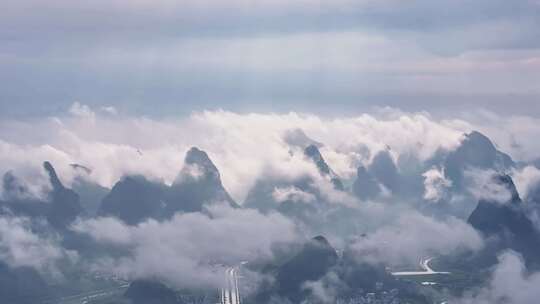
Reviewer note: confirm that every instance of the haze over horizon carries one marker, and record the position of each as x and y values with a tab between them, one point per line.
162	58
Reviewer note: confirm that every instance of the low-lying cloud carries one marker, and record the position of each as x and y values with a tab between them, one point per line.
187	250
414	236
243	146
436	185
511	283
20	246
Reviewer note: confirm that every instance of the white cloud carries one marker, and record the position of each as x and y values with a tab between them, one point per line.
511	283
282	194
243	146
105	230
324	289
109	110
19	246
435	184
516	138
526	179
414	236
186	249
190	172
82	110
482	184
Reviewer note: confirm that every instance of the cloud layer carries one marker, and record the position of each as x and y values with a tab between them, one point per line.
190	249
243	146
510	283
21	246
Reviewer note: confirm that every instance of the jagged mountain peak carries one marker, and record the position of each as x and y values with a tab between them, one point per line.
477	137
65	203
298	138
475	151
508	222
384	169
81	168
133	199
475	145
53	177
312	152
506	181
312	262
199	157
321	240
197	165
365	186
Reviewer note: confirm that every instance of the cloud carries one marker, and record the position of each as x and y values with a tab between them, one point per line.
483	185
324	289
187	250
109	110
20	246
526	180
435	184
243	146
414	236
82	111
516	136
190	172
510	283
282	194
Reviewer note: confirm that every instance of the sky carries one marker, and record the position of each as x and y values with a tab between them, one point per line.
169	58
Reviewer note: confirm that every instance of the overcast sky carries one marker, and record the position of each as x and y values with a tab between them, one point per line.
167	57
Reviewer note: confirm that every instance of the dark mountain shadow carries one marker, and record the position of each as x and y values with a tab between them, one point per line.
313	153
198	185
61	206
135	199
475	151
506	226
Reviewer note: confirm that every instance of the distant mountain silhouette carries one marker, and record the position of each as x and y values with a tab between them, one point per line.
60	207
475	151
91	194
261	195
135	199
381	173
310	264
507	223
297	138
313	153
365	185
314	261
198	184
64	203
384	170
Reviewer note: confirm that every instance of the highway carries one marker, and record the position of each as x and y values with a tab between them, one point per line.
230	293
424	264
